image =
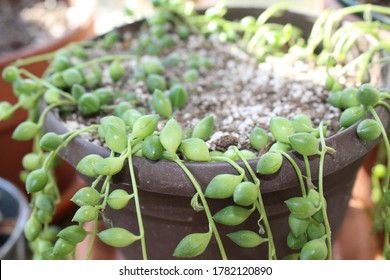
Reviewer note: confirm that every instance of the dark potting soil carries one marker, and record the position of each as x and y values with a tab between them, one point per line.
25	22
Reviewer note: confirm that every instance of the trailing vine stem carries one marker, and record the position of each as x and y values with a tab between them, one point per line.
261	208
307	166
386	181
47	84
136	200
297	171
324	150
105	189
198	189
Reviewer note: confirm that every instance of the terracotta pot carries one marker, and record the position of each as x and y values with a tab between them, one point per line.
13	151
165	191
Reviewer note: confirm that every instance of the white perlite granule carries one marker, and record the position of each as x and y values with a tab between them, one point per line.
238	91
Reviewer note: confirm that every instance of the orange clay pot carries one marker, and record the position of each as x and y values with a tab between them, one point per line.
12	151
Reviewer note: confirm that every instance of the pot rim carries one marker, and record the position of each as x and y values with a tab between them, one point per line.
145	169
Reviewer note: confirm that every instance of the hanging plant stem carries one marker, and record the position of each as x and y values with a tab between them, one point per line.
198	189
260	206
323	152
136	201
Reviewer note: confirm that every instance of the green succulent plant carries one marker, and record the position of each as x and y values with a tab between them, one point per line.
74	83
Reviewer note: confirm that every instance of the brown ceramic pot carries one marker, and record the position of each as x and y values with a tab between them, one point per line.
165	191
12	151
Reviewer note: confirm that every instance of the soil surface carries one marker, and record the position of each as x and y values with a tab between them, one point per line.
25	22
238	91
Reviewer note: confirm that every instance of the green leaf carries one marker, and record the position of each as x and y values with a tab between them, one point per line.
87	165
152	66
44	202
369	130
351	116
301	207
50	141
178	96
32	229
281	129
204	129
85	213
77	91
161	104
88	104
52	96
10	74
5	110
297	225
72	76
304	143
314	250
25	131
118	199
368	95
195	149
109	166
130	116
296	241
74	234
152	148
348	98
105	95
232	215
154	81
246	238
279	146
108	121
258	138
36	181
86	196
192	245
269	163
302	123
315	230
144	126
171	136
117	237
31	161
63	247
222	186
245	194
116	70
116	138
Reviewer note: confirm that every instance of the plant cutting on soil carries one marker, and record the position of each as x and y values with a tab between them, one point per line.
191	87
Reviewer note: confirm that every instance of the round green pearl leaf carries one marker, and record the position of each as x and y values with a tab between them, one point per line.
36	181
245	194
314	250
258	138
281	129
269	163
117	237
369	130
246	238
192	245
